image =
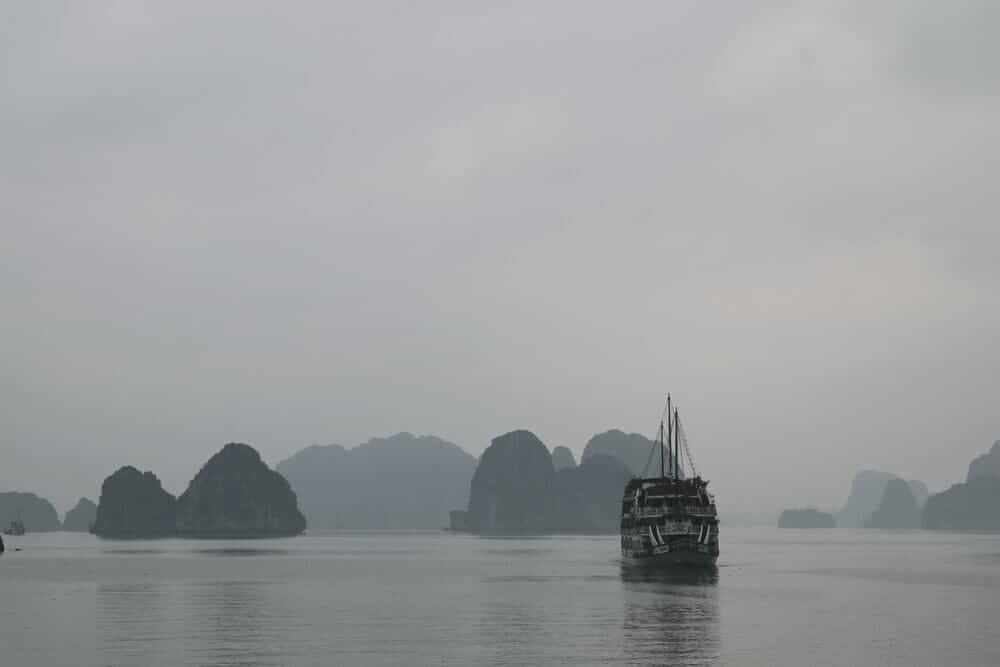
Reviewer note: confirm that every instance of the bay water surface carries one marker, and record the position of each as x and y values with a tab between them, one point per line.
778	597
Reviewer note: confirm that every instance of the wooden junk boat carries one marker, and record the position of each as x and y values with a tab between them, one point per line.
669	520
16	527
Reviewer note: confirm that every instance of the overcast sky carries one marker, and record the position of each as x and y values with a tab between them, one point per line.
288	224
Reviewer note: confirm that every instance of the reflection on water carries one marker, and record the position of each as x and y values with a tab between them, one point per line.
671	615
246	551
233	624
670	576
215	623
392	600
130	620
510	631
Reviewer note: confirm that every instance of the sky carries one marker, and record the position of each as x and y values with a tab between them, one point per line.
298	223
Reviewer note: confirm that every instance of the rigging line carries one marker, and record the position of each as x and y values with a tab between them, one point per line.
649	458
687	452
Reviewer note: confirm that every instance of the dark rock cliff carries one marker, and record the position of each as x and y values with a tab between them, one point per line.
806	518
134	504
898	508
974	505
562	458
81	518
37	514
236	494
512	488
587	498
985	465
516	490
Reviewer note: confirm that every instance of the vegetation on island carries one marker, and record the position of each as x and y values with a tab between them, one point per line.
235	494
134	504
516	490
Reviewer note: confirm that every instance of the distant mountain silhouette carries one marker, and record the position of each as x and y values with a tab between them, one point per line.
235	494
588	498
898	508
974	505
986	464
920	492
562	457
134	504
81	518
867	490
512	488
37	514
805	518
403	481
632	449
747	519
516	490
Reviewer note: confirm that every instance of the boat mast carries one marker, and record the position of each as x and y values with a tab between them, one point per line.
670	429
677	445
661	449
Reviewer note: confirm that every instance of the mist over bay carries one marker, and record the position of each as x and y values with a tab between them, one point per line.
249	223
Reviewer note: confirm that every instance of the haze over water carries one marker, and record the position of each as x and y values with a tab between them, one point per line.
777	598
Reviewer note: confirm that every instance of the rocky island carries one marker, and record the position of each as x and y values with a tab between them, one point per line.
974	505
134	504
632	449
986	464
81	518
37	513
588	497
517	490
867	489
562	457
897	509
511	490
806	518
236	494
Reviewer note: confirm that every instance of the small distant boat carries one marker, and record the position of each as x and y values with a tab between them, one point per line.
671	519
16	528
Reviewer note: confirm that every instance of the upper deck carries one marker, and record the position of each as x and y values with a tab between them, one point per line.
658	496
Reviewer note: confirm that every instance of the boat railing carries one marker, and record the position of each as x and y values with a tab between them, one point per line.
689	509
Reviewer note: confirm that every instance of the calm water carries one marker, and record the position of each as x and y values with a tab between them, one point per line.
777	598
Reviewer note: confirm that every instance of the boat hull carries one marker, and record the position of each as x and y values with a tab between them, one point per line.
671	559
